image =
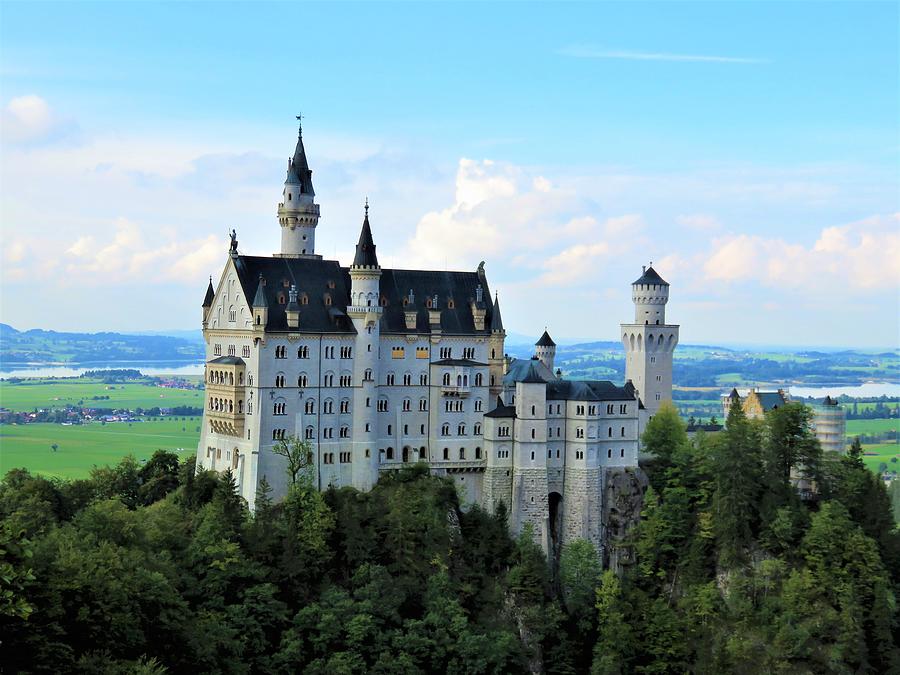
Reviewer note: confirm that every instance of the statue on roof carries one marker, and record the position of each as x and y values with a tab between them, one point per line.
234	241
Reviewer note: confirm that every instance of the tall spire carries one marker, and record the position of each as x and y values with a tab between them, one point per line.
496	319
365	249
210	294
259	300
298	167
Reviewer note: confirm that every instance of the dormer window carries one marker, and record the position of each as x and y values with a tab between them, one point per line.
285	283
451	304
330	284
428	303
304	299
289	196
281	298
328	299
383	301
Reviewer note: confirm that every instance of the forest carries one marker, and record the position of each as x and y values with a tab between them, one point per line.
755	554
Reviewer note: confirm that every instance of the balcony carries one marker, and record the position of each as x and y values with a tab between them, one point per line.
227	423
460	391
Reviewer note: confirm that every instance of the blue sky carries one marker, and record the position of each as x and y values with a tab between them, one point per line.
749	149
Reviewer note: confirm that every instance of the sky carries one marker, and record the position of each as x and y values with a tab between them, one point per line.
748	150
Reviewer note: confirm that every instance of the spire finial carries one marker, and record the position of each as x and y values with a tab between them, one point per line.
367	206
299	124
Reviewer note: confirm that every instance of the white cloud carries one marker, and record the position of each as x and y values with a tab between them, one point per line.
26	119
859	256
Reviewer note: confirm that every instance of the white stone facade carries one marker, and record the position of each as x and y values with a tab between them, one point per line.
382	368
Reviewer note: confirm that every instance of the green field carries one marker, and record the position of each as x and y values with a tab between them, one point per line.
49	393
876	426
83	446
882	453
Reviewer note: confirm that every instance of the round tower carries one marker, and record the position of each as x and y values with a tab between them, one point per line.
545	350
650	294
649	342
298	214
365	312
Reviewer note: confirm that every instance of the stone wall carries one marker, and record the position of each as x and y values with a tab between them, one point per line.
624	491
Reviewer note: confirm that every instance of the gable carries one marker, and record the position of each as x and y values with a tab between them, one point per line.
230	308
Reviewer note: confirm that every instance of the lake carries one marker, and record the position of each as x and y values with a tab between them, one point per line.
869	389
74	370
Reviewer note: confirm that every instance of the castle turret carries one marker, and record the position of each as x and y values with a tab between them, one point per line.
298	215
495	345
208	301
292	310
649	341
365	312
545	350
530	491
260	306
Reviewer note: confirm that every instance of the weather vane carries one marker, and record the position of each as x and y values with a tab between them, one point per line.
300	121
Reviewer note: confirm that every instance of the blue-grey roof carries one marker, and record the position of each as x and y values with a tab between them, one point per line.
210	295
519	369
365	248
769	400
317	279
589	390
545	341
496	319
228	361
649	278
298	170
502	411
458	362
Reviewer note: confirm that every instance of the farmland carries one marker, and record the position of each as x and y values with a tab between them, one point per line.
81	447
27	395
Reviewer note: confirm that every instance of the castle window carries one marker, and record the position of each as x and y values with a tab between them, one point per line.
423	379
302	380
397	352
609	435
478	405
328	407
477	453
622	452
610	409
462	453
304	299
328	299
310	407
609	454
423	404
367	376
532	459
446	379
623	432
407	379
478	379
446	453
309	433
477	430
245	351
623	408
428	303
345	406
383	301
303	352
451	304
389	453
281	300
279	381
406	405
445	429
389	379
532	433
532	410
461	430
658	397
421	352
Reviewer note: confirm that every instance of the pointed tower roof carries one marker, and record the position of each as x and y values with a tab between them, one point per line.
545	341
734	394
650	277
496	319
259	300
210	294
532	376
298	168
365	249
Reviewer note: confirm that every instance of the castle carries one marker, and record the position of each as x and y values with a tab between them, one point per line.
380	368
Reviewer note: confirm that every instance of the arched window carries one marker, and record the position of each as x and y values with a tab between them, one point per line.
389	453
478	379
462	453
477	453
445	429
446	379
446	453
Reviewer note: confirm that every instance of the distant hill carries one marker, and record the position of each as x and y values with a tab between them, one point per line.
47	346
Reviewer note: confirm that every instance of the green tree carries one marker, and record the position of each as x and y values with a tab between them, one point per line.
736	467
299	456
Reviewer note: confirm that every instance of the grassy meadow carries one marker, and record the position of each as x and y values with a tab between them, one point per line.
874	455
26	395
83	446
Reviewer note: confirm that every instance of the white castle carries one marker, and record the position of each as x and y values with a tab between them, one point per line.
381	368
